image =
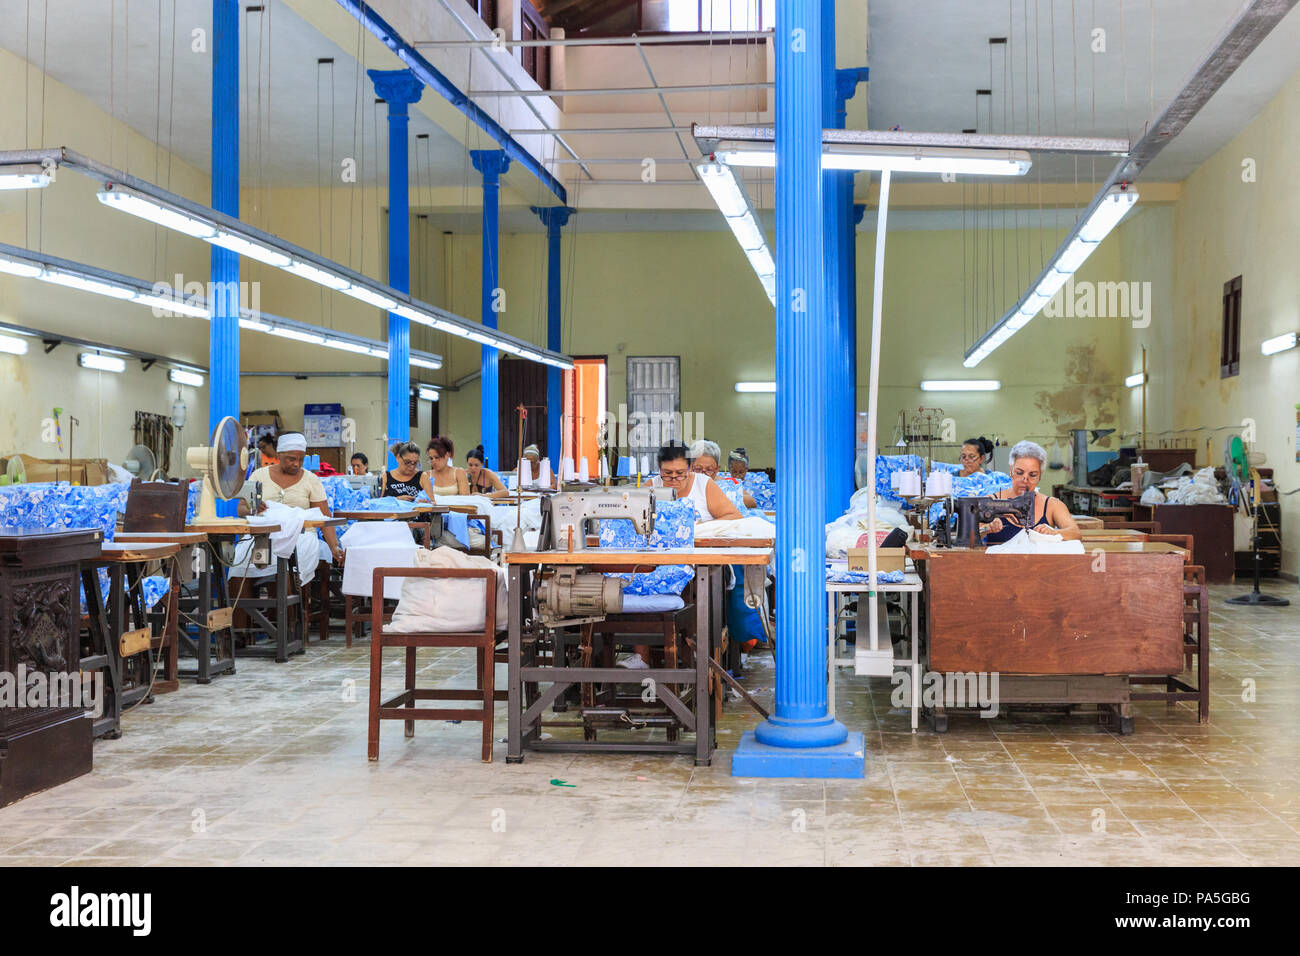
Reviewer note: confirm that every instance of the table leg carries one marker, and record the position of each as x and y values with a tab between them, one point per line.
514	690
281	624
832	633
704	623
915	640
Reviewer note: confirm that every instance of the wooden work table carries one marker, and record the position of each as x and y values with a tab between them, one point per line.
168	537
377	515
234	526
603	557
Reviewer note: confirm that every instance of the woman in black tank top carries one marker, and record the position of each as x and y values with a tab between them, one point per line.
407	481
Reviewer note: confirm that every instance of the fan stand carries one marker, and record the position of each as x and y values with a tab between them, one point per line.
1256	598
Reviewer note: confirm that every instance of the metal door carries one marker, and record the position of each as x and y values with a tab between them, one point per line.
654	395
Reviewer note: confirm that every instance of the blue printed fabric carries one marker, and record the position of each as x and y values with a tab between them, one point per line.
735	493
154	588
886	466
674	528
760	489
944	466
343	497
978	485
45	506
382	504
863	577
192	502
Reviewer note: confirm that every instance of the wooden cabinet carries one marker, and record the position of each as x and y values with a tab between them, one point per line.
40	616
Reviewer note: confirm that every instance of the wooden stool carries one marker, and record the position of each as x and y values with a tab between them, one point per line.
1196	643
403	706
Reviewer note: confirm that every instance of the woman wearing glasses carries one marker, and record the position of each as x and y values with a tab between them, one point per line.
975	454
406	481
674	472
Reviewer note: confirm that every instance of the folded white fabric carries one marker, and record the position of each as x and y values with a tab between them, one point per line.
369	534
442	606
1031	542
749	527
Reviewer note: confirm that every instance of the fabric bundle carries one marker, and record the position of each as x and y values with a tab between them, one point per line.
674	528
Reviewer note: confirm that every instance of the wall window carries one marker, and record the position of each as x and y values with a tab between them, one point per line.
536	60
691	15
1230	349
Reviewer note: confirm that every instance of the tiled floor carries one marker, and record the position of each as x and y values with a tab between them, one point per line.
269	767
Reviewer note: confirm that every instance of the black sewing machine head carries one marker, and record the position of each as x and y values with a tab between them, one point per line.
972	512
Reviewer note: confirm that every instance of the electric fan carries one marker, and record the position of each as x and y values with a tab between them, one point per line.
222	465
1240	467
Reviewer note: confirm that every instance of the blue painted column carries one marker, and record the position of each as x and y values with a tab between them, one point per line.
399	89
833	415
223	336
492	163
554	218
223	275
842	416
800	739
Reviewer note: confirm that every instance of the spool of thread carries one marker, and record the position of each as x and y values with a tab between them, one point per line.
525	472
566	469
604	467
584	473
909	484
546	477
895	480
938	485
645	464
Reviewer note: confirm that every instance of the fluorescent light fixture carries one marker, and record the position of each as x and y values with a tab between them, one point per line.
319	276
756	386
13	345
370	298
169	304
298	335
25	176
1277	344
137	204
734	205
425	363
17	267
1136	379
896	159
962	385
73	281
181	377
104	363
249	249
1116	202
428	394
254	325
480	337
346	345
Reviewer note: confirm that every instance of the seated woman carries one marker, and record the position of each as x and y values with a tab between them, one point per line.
704	456
443	478
360	464
1051	516
710	503
406	481
266	449
738	464
975	454
534	456
482	480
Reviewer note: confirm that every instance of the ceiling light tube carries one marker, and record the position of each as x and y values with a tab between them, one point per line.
25	176
1107	213
1277	344
254	325
756	386
179	306
897	159
1136	379
319	276
428	394
298	335
18	267
425	363
137	204
347	345
734	205
181	377
963	385
13	345
102	363
74	281
369	297
249	249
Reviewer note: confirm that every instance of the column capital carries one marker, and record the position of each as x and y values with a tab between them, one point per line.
397	88
556	217
846	83
492	163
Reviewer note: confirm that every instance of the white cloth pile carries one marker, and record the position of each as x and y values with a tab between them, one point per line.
311	549
442	606
844	531
376	544
1032	542
1201	490
748	527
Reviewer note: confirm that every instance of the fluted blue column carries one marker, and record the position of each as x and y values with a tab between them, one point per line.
842	416
223	333
399	89
836	397
554	218
800	739
492	163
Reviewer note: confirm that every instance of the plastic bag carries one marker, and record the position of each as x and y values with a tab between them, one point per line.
1153	496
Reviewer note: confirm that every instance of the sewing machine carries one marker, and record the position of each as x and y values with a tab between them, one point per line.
565	515
974	511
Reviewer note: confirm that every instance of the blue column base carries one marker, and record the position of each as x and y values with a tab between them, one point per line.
844	760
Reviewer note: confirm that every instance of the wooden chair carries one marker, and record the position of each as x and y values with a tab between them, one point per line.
403	706
160	506
1196	644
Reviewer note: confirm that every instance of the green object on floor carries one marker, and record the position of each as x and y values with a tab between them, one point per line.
561	783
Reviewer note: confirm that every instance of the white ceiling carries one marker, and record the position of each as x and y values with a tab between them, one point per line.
112	53
927	60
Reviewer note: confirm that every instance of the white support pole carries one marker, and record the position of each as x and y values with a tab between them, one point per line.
873	388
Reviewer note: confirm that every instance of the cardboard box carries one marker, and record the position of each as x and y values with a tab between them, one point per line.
80	471
887	559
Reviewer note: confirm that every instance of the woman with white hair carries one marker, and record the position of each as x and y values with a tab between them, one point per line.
1028	460
706	459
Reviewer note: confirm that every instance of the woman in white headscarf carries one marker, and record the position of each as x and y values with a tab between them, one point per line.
287	482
